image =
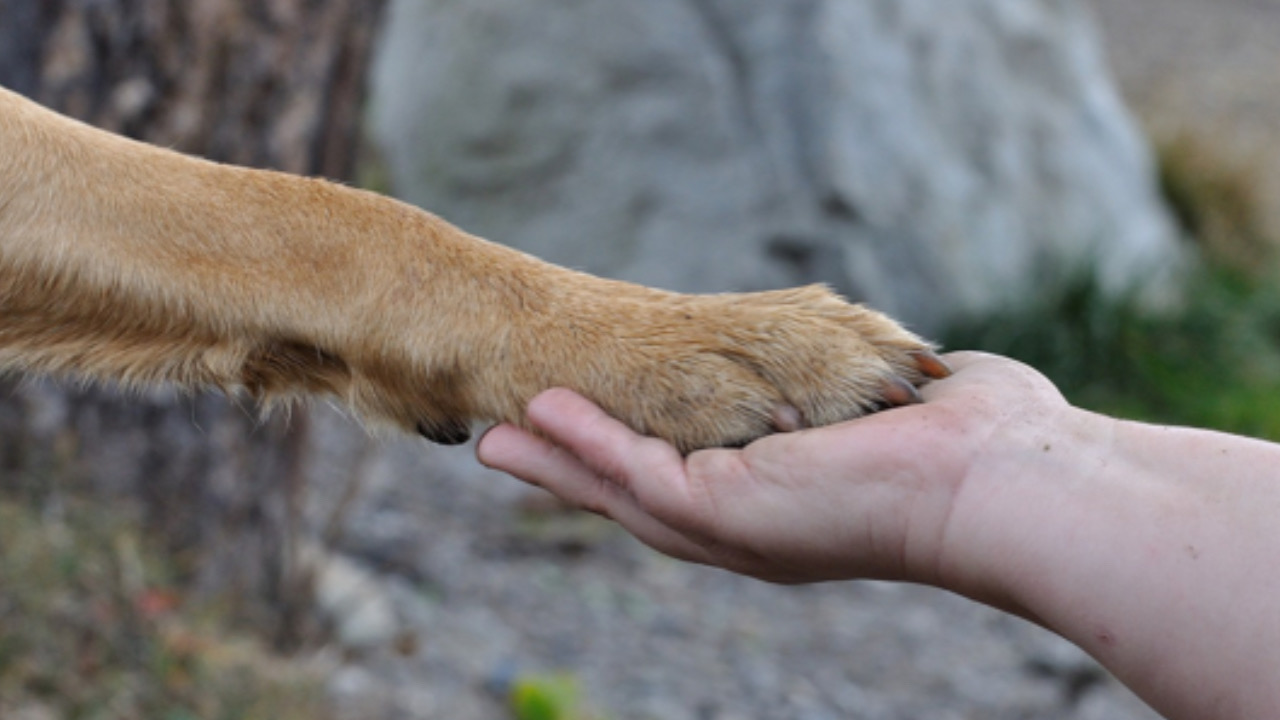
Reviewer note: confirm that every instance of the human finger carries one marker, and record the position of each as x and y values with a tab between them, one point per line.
605	445
543	464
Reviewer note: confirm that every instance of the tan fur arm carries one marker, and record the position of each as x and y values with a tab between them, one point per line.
125	262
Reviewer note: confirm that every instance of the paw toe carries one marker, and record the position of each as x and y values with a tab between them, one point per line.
787	418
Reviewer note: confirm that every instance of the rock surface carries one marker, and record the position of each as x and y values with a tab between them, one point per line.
929	157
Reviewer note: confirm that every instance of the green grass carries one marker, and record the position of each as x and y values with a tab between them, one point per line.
1212	362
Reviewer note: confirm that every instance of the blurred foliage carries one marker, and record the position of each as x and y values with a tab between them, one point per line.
1212	360
91	627
547	697
1217	203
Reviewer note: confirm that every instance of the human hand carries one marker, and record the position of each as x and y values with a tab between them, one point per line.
870	498
1145	545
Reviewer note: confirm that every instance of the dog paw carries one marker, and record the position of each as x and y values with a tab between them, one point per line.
723	370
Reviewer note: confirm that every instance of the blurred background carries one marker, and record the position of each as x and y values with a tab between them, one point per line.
1089	186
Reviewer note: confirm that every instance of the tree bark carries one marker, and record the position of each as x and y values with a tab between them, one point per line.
265	83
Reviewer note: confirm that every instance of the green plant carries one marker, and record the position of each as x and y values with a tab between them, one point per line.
1213	361
547	697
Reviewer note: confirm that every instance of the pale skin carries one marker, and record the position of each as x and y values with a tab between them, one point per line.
1153	548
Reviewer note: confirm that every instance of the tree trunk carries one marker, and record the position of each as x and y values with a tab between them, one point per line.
266	83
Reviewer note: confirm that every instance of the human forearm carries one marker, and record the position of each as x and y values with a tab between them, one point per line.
1153	549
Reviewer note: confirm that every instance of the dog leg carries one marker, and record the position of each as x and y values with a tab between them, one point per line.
124	262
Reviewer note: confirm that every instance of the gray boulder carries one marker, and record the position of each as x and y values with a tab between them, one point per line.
930	157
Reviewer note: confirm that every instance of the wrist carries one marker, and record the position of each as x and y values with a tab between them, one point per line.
1029	506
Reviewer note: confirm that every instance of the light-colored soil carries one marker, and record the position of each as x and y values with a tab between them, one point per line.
1205	68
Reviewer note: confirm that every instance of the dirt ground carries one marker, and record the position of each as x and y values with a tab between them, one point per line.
1209	69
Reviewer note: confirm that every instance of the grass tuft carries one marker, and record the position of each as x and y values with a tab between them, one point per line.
91	626
1214	362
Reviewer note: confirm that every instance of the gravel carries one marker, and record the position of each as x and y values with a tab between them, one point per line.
489	582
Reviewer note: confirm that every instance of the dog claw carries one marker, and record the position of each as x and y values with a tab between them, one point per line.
898	392
931	365
450	433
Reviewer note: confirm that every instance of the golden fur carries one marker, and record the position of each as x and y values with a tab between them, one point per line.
125	262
